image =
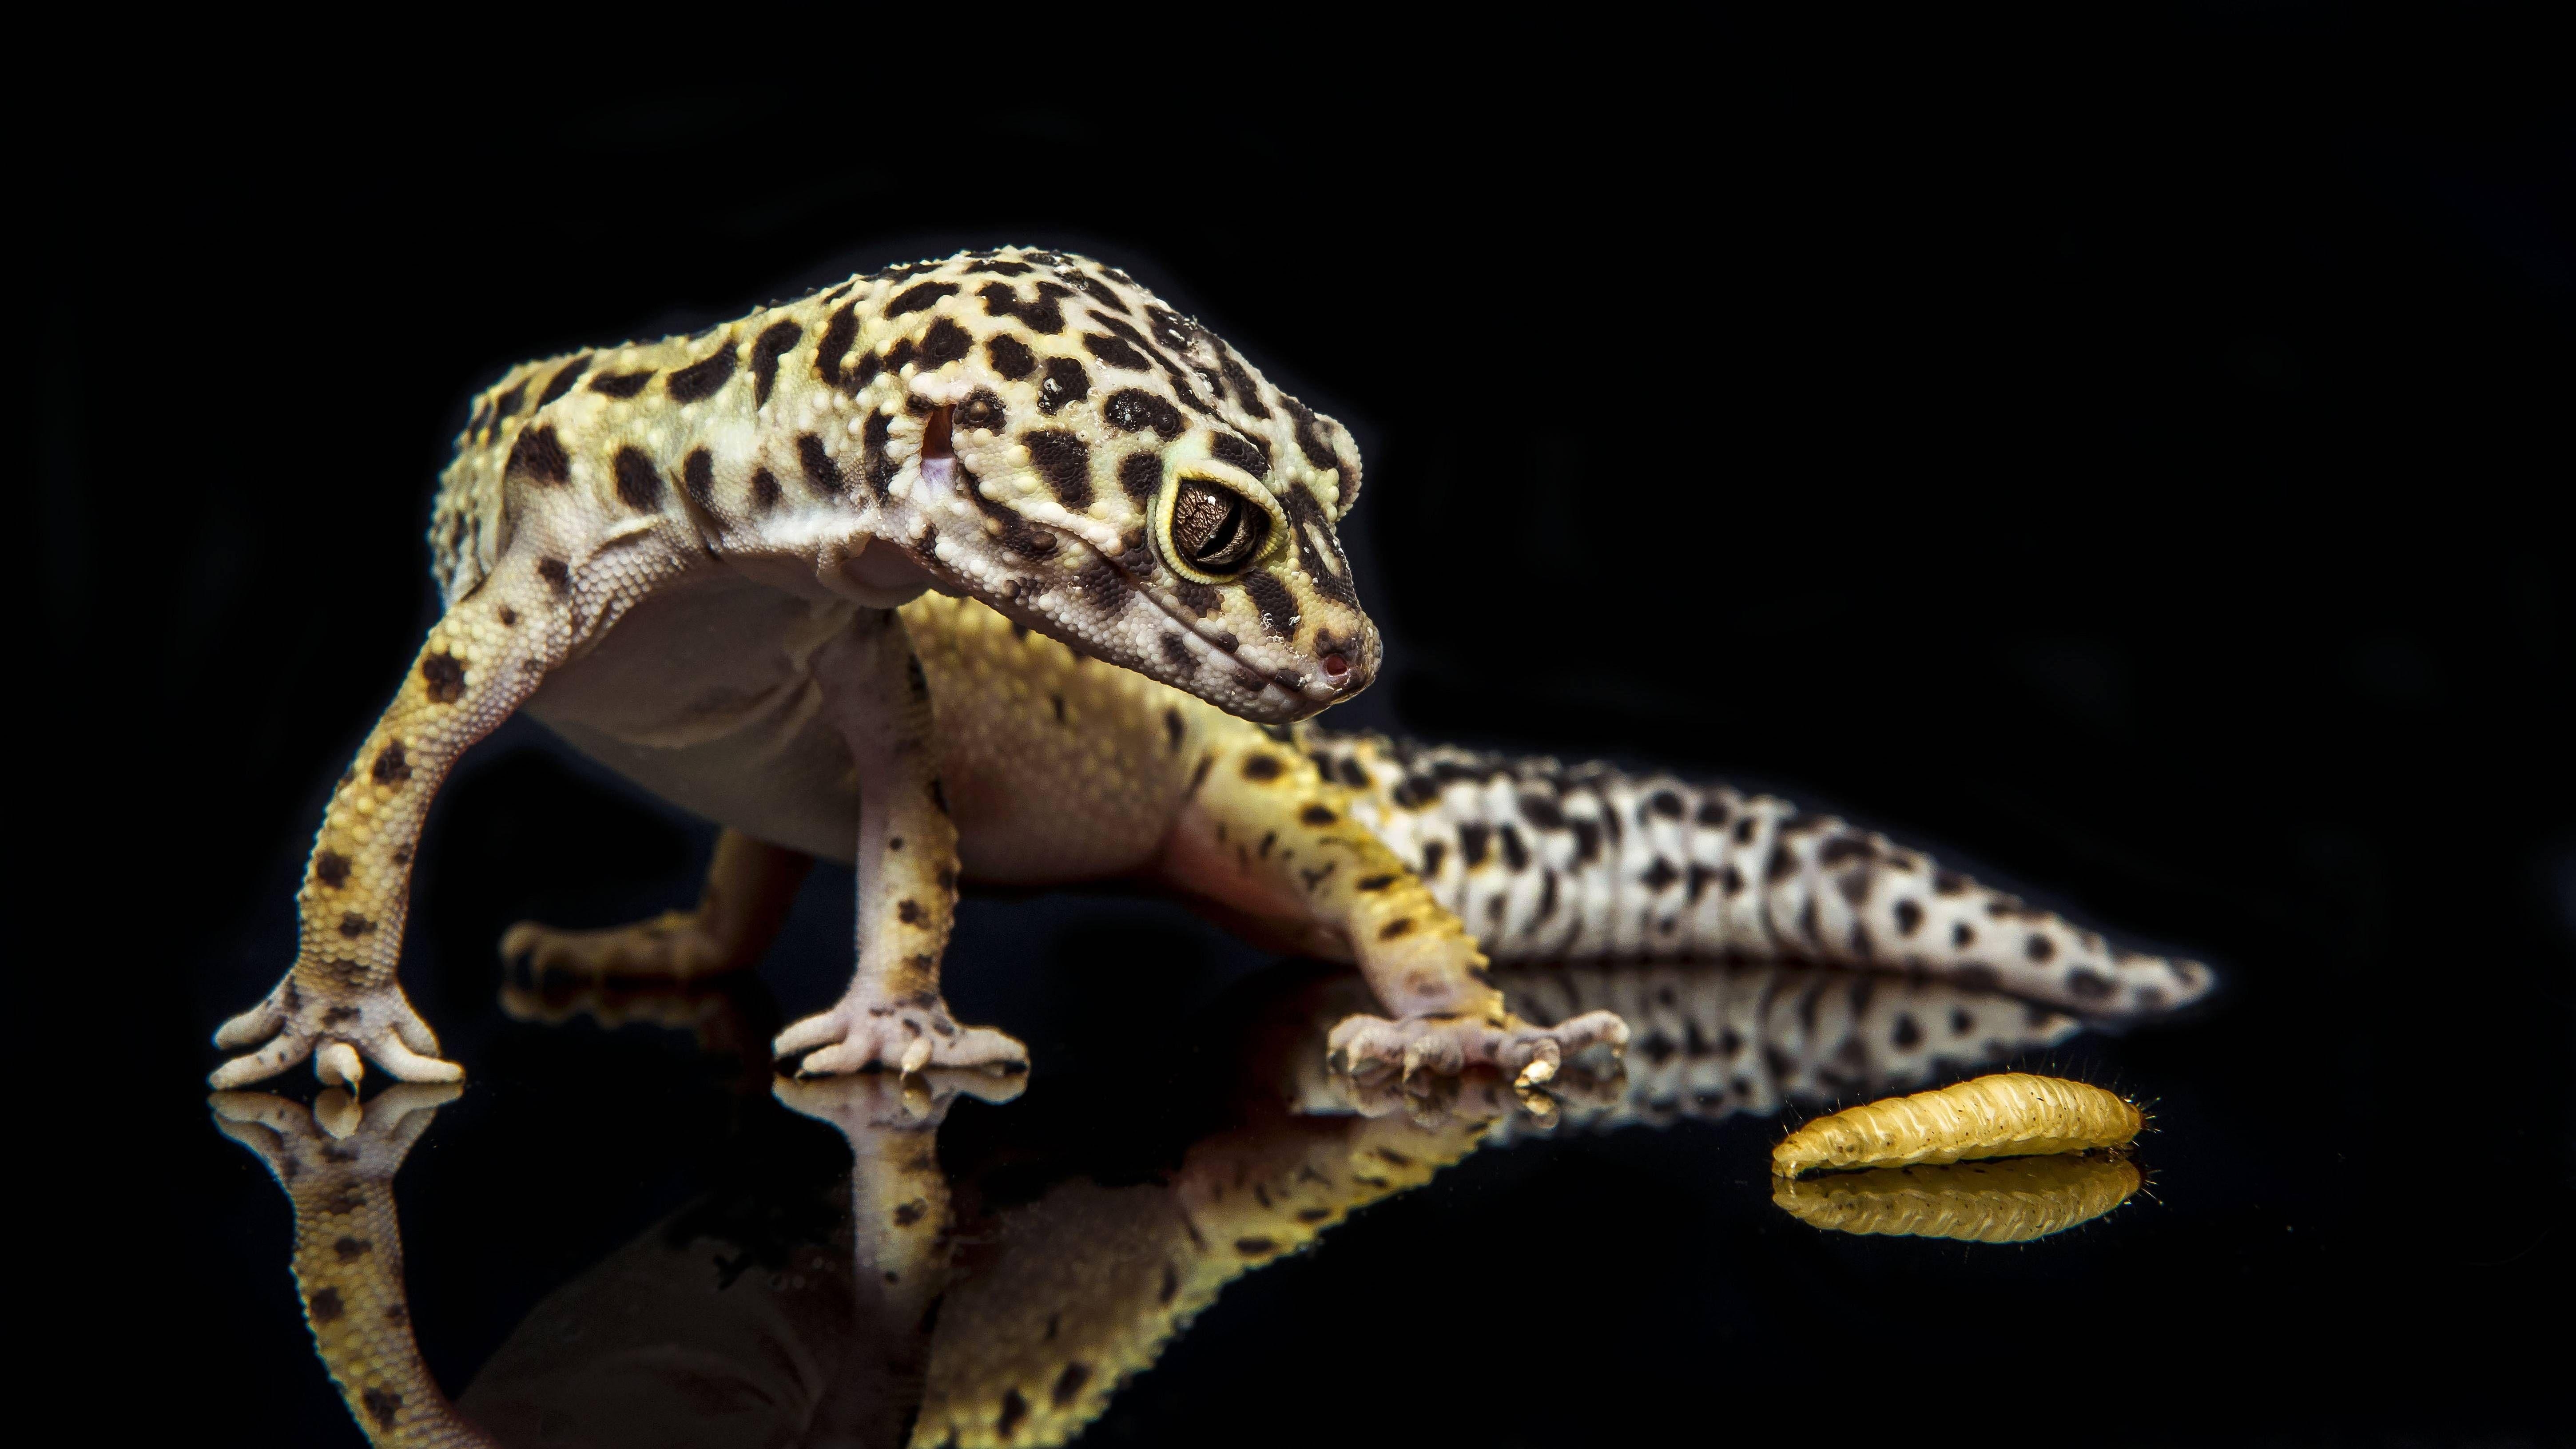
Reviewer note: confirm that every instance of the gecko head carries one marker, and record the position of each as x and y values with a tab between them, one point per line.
1055	441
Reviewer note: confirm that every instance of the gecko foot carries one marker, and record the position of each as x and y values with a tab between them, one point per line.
907	1037
297	1023
1368	1047
673	946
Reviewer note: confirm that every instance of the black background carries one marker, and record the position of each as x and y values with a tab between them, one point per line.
2132	460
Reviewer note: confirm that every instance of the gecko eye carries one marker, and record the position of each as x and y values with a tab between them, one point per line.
1214	528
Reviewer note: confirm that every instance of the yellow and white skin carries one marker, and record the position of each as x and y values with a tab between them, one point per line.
687	557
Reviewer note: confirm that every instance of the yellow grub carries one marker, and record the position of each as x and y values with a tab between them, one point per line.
1973	1202
2010	1114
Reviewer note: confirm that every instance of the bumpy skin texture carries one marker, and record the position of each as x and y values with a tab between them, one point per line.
690	550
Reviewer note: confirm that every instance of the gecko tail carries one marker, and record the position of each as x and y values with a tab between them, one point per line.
1546	862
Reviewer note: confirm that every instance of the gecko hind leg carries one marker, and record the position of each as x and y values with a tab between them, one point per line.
750	887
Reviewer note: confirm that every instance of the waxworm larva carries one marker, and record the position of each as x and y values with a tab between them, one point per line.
2009	1114
1975	1202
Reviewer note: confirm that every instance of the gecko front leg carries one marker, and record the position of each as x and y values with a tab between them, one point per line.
341	1000
893	1016
1266	835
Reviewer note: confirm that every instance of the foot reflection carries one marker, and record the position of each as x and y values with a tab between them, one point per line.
993	1301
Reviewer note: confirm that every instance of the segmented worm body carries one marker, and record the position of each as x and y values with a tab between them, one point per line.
2009	1114
1973	1202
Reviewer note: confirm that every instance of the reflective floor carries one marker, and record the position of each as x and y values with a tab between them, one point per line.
1179	1229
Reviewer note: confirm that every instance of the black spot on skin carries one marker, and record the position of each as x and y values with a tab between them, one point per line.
1279	613
1065	382
1352	774
1433	852
1515	854
909	1213
1247	393
1014	1409
773	343
556	574
1712	813
1909	918
1949	883
538	456
1069	1383
621	384
838	333
1587	838
1730	880
507	405
1746	829
1011	357
1115	353
699	380
392	767
1373	882
1962	934
764	490
563	379
874	464
909	912
1542	812
1140	477
1176	652
331	868
350	1250
1227	448
1043	316
1171	1284
444	676
1133	410
822	472
1065	461
981	412
639	483
325	1306
2039	948
1310	435
1700	876
1665	803
1318	815
1782	865
1397	927
1660	875
382	1405
1474	839
1262	767
353	925
944	343
1200	599
1306	523
2090	985
698	476
919	297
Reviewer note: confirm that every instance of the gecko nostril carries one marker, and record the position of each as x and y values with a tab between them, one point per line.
1336	668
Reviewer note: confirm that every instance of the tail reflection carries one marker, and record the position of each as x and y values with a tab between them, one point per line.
1007	1304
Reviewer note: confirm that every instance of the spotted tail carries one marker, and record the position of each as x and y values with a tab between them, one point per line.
1549	863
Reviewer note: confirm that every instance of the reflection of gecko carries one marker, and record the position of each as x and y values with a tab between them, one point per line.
690	1337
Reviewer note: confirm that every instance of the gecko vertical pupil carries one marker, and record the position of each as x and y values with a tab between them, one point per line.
1214	528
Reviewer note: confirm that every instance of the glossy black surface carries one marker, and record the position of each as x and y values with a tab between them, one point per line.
2109	460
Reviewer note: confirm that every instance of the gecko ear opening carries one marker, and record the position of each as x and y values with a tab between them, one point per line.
936	430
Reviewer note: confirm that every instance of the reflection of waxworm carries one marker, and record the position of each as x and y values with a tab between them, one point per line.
2010	1114
1975	1202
